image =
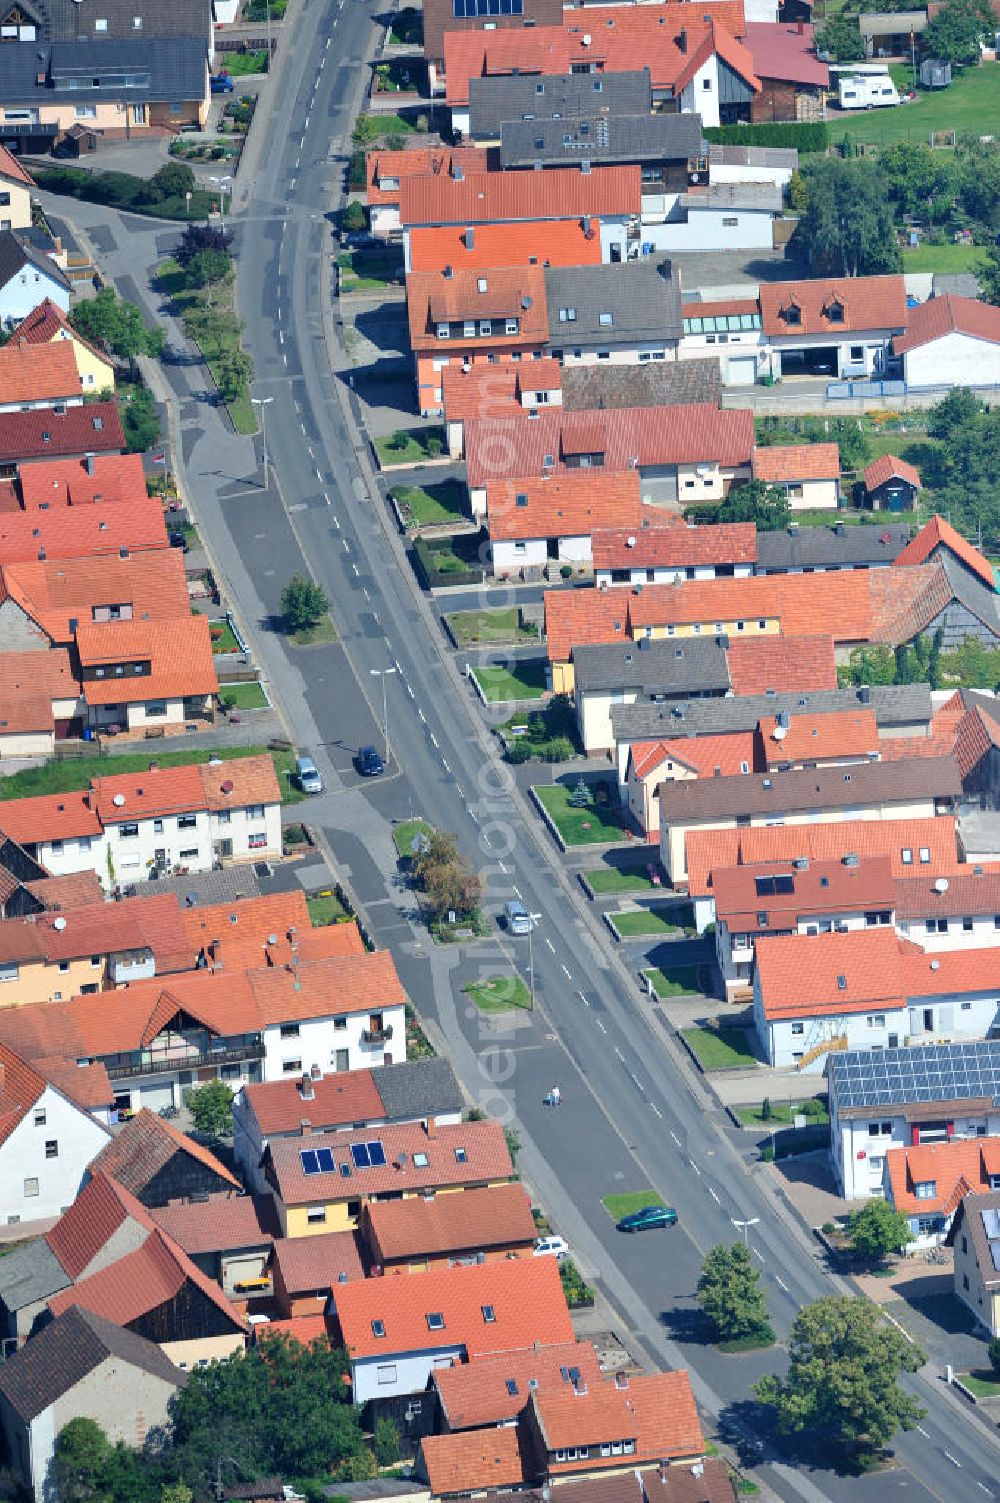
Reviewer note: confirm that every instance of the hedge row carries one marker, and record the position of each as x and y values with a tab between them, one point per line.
805	136
122	190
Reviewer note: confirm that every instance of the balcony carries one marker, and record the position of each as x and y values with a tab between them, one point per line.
231	1052
377	1035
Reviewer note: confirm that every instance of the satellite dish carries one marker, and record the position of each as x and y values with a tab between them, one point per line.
119	800
630	542
59	923
779	733
941	885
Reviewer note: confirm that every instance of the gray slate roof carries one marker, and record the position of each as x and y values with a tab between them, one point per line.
752	156
601	138
653	667
168	70
979	1213
620	303
67	20
867	783
970	591
29	1274
419	1088
656	383
16	253
734	196
808	547
66	1350
894	704
529	97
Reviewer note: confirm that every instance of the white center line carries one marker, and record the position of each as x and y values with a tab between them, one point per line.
694	1166
550	944
715	1197
779	1280
565	971
444	764
319	476
582	997
517	890
675	1137
459	791
504	869
423	717
619	1054
654	1108
925	1433
984	1488
954	1460
334	519
434	740
758	1255
600	1025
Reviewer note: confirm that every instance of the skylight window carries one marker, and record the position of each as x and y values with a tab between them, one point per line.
378	1328
435	1321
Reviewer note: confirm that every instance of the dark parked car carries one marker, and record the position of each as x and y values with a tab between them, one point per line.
222	83
370	764
648	1218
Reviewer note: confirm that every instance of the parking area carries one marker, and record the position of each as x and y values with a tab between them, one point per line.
377	340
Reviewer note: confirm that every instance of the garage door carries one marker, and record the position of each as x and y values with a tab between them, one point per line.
741	370
153	1096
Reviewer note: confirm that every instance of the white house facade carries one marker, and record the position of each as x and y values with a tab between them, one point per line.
44	1159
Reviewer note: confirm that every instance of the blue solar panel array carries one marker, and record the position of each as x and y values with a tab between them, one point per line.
320	1160
932	1072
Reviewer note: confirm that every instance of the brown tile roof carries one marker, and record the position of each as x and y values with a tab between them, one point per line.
145	1145
789	462
971	890
29	684
473	1460
656	1410
495	390
786	53
223	1224
309	1263
86	1085
498	1216
572	504
100	929
101	1207
169	790
421	161
67	482
473	1394
43	433
783	664
239	781
938	533
58	592
702	755
74	890
179	654
465	1153
336	1101
496	294
525	1295
490	197
951	314
48	322
239	933
708	850
829	738
573	617
867	303
20	1088
889	467
38	372
11	167
674	1484
659	545
553	242
340	983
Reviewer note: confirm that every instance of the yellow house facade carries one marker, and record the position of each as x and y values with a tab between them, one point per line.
342	1215
25	982
15	202
47	323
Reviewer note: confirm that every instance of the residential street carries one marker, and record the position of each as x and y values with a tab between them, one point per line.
634	1115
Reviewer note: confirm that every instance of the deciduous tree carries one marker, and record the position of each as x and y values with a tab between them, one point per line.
303	603
211	1108
840	39
755	501
117	326
877	1230
959	31
729	1292
201	237
847	228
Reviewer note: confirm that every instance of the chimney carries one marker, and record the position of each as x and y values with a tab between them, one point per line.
682	39
800	28
88	463
306	1090
305	1127
430	1127
470	238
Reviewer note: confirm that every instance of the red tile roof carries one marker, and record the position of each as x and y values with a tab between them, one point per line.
74	890
820	738
43	433
948	971
68	482
171	790
477	1393
463	1153
708	850
100	928
432	298
659	545
809	975
954	1169
572	504
336	984
657	1410
474	1460
49	816
221	1224
525	1295
941	316
83	1230
30	682
238	933
179	654
495	390
20	1088
573	617
889	467
731	753
938	533
867	303
826	886
496	1217
48	322
554	242
757	664
86	1085
787	462
489	197
55	593
688	433
421	161
338	1100
80	531
786	53
38	372
11	167
310	1263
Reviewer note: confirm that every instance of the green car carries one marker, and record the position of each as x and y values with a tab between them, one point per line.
648	1218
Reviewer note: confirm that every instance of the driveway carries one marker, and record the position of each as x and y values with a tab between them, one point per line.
377	340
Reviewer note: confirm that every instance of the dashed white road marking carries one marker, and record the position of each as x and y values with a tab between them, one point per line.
694	1166
566	973
780	1281
953	1459
600	1025
619	1054
758	1255
675	1138
925	1433
459	791
582	997
714	1196
444	764
654	1108
550	944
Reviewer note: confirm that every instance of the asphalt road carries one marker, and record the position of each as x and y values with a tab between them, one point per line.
633	1115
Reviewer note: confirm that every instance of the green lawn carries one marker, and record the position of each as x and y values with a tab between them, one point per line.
984	1383
614	879
592	826
524	681
409	446
499	993
642	921
404	832
70	773
428	505
673	981
215	328
944	258
630	1201
368	270
472	627
239	64
325	908
223	637
248	696
314	636
972	103
782	1113
720	1048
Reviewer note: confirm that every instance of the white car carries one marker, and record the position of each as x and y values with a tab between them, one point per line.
558	1246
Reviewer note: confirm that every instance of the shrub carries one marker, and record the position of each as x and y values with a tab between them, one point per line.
433	445
559	749
805	136
993	1352
355	216
828	1228
566	571
519	751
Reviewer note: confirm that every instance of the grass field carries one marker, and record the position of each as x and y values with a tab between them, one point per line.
428	505
248	696
972	103
70	773
238	64
392	450
325	908
499	993
673	981
210	319
984	1384
223	637
523	681
781	1114
314	636
605	880
944	258
475	627
404	833
367	271
629	1201
577	826
720	1048
645	921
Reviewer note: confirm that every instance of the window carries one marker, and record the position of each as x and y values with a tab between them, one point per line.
605	320
86	111
289	1030
925	1189
30	1188
485	327
489	1315
378	1329
798	1029
128	832
187	821
420	1161
937	926
875	1020
9	971
706	83
965	1244
925	855
967	925
444	331
510	327
339	1024
435	1320
52	1148
100	23
157	826
254	811
386	1371
906	856
315	1215
39	1118
729	221
64	966
95	961
191	854
155	707
461	1156
291	1066
258	840
857	352
567	315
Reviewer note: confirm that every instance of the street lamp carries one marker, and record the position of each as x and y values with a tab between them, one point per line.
383	674
531	962
263	402
224	183
744	1226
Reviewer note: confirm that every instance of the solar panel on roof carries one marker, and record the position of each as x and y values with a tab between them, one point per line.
991	1223
376	1153
359	1153
325	1160
784	885
931	1072
310	1163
